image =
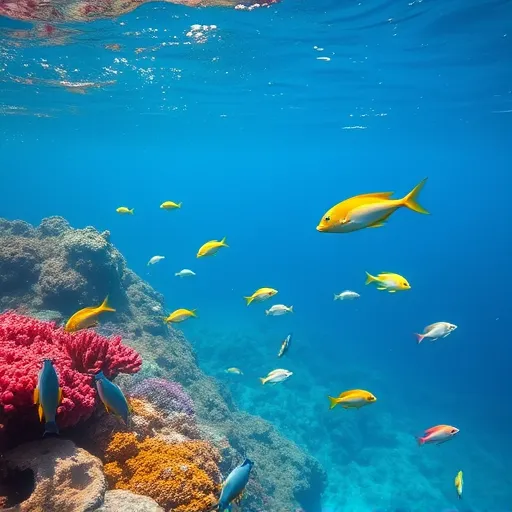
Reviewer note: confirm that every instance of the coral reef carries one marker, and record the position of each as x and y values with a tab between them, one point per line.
73	268
25	342
182	477
126	501
63	477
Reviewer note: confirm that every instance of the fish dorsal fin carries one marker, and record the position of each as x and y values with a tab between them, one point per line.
380	195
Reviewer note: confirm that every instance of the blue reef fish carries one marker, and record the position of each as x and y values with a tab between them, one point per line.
285	346
112	397
234	486
48	396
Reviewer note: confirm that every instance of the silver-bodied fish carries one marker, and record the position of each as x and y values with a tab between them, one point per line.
48	396
112	397
234	486
285	346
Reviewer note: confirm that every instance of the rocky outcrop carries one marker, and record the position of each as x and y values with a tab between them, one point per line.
62	476
54	270
126	501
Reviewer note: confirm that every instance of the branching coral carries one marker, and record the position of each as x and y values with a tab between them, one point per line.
25	342
181	477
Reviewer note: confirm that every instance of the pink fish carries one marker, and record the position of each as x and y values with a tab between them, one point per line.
438	435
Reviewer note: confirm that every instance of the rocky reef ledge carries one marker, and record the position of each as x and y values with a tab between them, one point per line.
186	432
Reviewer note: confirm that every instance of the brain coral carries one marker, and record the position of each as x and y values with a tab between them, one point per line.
25	342
182	477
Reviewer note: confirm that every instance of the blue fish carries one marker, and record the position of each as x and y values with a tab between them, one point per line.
48	396
112	397
234	486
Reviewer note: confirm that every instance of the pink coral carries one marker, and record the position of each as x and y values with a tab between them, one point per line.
25	342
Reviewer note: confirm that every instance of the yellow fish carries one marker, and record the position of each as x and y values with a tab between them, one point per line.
125	211
87	317
459	482
389	281
170	205
353	399
180	315
236	371
211	247
260	295
367	211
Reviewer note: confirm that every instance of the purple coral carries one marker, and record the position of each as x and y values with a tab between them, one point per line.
164	394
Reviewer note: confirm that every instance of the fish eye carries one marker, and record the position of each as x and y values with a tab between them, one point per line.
454	430
327	219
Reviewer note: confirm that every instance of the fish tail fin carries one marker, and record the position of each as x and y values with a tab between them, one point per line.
176	274
335	297
131	211
333	402
223	242
51	429
420	440
179	205
248	299
194	314
411	199
291	309
263	380
370	278
267	311
419	337
105	307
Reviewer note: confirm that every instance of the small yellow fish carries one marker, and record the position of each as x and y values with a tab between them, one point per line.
353	399
180	315
236	371
87	317
210	248
125	211
389	281
170	205
367	211
459	482
261	295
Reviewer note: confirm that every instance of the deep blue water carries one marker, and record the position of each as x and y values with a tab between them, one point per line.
258	139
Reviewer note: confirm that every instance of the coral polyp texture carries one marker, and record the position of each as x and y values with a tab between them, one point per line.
182	477
26	341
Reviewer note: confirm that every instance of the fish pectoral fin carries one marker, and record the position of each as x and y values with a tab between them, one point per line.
59	399
376	225
106	407
36	395
41	412
392	291
381	287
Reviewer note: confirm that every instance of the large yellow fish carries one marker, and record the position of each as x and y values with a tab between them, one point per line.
210	248
87	317
260	295
367	211
170	205
180	315
352	399
389	281
459	482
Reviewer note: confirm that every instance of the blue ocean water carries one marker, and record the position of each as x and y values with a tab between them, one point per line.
259	138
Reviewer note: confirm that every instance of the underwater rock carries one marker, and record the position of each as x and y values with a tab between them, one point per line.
90	268
126	501
63	477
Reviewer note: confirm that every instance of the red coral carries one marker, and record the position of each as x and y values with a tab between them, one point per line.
25	342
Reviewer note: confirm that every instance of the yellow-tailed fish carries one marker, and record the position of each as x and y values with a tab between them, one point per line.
123	210
459	483
170	205
210	248
235	371
389	282
260	295
352	399
87	317
180	315
367	211
48	395
276	376
112	397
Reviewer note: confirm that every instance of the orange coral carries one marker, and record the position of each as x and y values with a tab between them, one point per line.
182	477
